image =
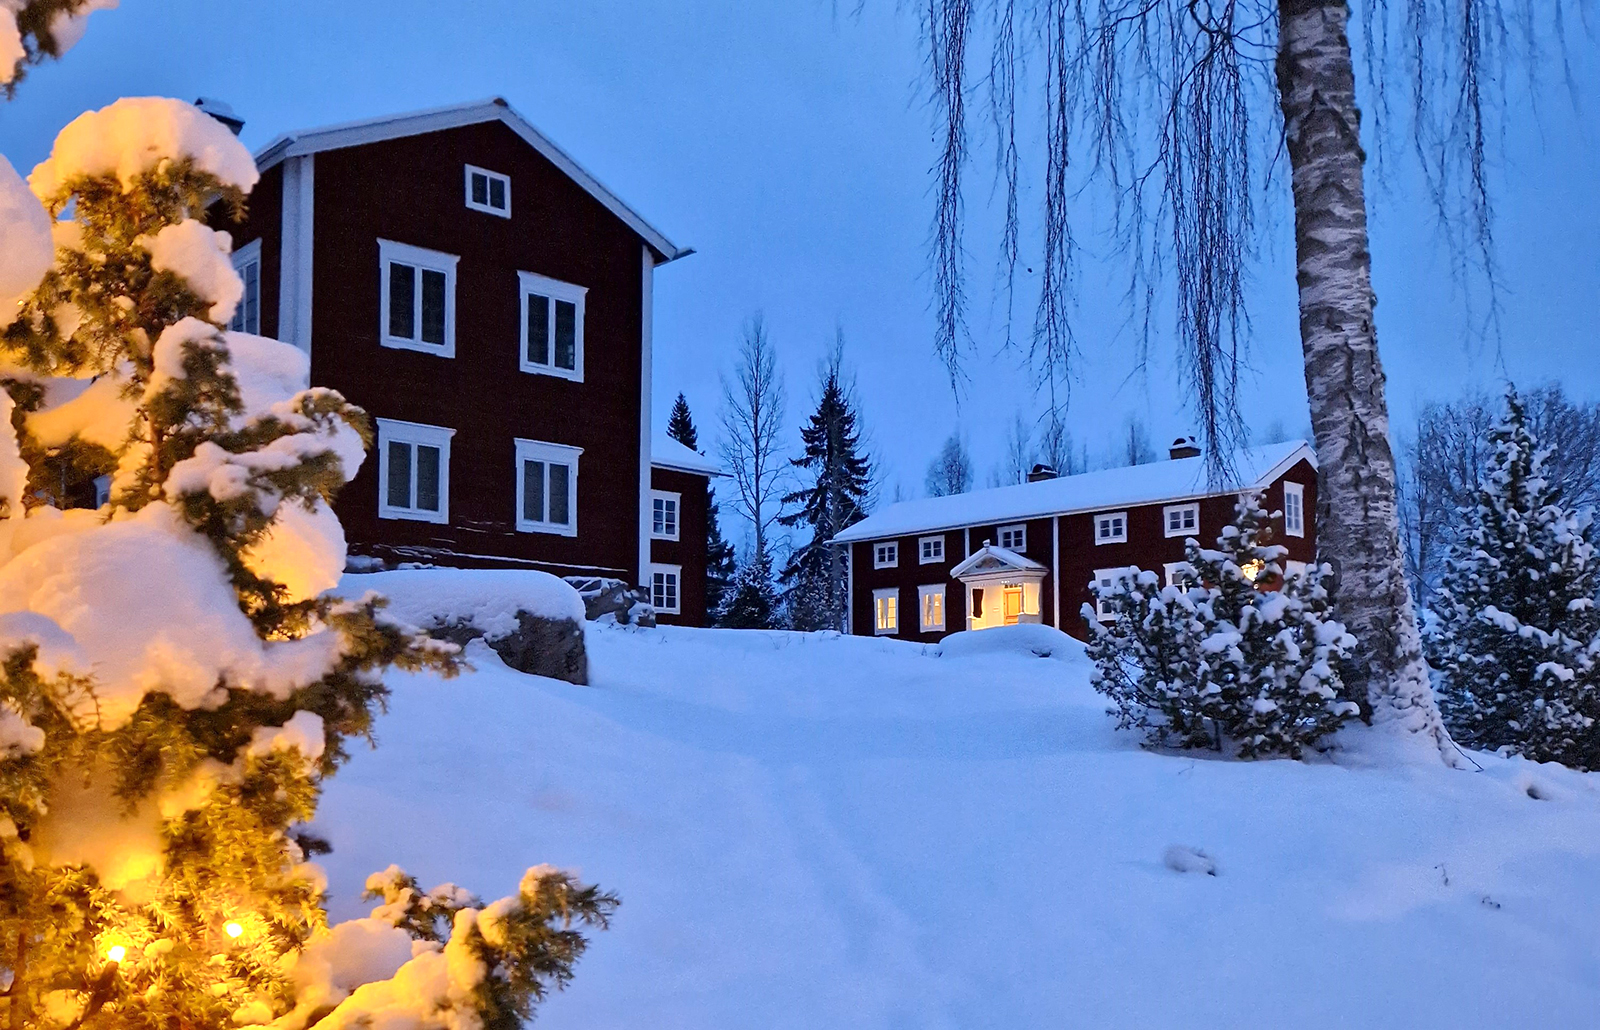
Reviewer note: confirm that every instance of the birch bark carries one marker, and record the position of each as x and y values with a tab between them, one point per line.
1358	526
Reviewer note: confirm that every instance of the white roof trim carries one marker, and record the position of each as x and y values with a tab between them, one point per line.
1009	558
376	130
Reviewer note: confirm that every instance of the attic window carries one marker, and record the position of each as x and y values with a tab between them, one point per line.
489	192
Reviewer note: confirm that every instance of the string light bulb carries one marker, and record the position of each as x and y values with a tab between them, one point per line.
116	953
233	930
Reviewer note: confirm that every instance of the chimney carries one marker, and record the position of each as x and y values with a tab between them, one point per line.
1184	447
222	113
1041	472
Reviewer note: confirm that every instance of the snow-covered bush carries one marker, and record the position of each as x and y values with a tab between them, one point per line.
175	680
1232	654
1516	637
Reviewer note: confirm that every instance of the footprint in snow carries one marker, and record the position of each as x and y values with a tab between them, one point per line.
1181	859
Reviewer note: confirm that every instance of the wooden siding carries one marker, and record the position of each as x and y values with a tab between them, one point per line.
689	550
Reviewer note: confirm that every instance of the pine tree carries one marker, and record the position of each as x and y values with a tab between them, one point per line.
751	602
1517	641
816	574
719	553
31	30
175	680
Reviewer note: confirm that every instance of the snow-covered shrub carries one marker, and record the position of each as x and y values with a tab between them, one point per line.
1516	637
175	678
1232	654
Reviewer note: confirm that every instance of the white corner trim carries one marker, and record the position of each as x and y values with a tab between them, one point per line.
1055	568
646	332
295	252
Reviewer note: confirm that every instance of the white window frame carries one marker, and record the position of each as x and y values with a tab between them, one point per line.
675	573
1170	567
244	257
1100	575
923	558
671	500
547	452
892	548
555	289
1106	516
1297	526
420	258
1020	529
1180	510
923	593
878	597
416	434
488	209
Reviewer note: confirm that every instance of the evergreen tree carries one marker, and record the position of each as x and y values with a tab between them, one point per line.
816	574
1518	638
31	30
175	680
751	602
719	553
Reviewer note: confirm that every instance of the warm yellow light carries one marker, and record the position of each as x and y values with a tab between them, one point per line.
116	952
1252	569
233	930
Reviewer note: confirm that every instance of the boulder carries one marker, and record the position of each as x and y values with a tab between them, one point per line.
539	646
612	600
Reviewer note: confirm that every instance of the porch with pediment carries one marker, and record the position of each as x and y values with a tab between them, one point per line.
1003	587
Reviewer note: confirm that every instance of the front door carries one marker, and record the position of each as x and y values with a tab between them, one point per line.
1013	605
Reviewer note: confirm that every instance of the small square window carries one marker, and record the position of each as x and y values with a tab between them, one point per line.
489	192
886	555
664	515
418	290
547	488
552	327
1294	509
931	603
1014	538
930	549
1181	519
886	611
247	262
1111	528
664	581
413	471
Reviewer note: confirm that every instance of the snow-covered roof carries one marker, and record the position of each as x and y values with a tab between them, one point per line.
667	453
990	558
375	130
1176	480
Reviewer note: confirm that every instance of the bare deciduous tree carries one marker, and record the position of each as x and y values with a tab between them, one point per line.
752	421
950	472
1134	447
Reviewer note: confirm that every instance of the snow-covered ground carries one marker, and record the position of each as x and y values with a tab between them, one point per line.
809	831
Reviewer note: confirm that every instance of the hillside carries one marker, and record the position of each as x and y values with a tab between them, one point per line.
809	831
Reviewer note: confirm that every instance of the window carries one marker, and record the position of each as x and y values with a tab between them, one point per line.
1179	574
1014	538
247	262
488	191
930	549
547	488
1294	509
102	491
419	299
552	327
1111	528
886	555
664	588
1105	610
413	471
931	601
886	611
1181	519
664	515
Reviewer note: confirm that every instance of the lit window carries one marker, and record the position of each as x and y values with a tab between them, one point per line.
886	555
886	611
1294	509
1111	528
247	262
1014	538
488	191
664	515
413	471
547	488
1181	519
931	549
1107	579
552	326
419	299
664	588
931	601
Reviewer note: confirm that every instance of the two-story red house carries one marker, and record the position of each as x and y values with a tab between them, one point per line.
1027	553
488	302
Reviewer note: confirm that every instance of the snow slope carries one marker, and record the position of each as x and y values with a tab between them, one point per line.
809	831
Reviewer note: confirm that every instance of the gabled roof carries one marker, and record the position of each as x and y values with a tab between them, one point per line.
1182	479
495	109
992	559
667	453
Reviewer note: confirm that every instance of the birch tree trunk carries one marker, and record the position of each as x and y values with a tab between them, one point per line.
1358	525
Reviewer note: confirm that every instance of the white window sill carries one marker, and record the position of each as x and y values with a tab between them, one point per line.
438	350
409	515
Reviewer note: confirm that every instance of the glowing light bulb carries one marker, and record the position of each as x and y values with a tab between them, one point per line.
233	930
116	953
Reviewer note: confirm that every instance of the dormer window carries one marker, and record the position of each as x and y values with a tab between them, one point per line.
489	192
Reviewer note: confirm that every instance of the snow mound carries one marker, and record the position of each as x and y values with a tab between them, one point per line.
28	250
1030	638
487	599
134	136
1182	859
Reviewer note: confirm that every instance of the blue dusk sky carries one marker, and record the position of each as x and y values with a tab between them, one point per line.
790	143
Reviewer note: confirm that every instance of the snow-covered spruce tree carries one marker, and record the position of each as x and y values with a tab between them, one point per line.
815	578
1517	642
175	681
752	602
719	553
1233	654
31	30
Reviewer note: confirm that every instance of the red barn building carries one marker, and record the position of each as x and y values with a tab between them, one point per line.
1027	553
488	302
